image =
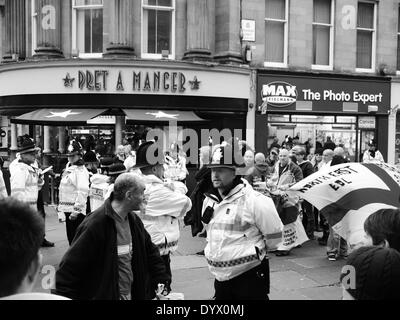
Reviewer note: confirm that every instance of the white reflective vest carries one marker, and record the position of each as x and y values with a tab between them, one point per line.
244	226
25	183
3	189
98	190
74	189
166	204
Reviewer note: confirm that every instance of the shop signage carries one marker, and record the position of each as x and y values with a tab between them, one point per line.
366	122
321	93
135	81
279	94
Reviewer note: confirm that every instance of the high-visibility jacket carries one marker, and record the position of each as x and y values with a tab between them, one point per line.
25	183
74	189
3	189
367	158
244	226
98	190
166	204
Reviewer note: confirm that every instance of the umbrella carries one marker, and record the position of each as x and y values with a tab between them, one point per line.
347	194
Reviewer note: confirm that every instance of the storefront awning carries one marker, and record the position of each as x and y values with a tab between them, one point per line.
55	117
148	115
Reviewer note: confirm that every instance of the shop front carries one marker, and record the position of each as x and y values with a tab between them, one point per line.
350	110
113	102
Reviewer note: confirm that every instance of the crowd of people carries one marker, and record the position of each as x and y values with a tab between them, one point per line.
123	217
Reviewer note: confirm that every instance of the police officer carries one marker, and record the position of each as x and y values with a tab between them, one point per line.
102	186
242	225
73	190
26	180
166	205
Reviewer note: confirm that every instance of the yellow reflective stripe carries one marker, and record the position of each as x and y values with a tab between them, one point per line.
231	227
274	236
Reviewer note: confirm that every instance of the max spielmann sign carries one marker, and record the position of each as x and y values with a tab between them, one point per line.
99	80
324	94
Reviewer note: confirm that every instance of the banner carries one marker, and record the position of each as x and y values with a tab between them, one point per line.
347	194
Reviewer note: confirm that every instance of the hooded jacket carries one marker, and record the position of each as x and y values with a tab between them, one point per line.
89	269
244	226
166	204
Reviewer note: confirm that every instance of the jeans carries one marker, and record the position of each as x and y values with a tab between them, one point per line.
336	244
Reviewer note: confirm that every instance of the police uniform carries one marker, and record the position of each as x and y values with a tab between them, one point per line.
101	188
73	192
241	228
25	181
166	205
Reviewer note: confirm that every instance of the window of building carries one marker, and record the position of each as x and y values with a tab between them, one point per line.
158	28
366	36
398	41
276	32
34	26
323	34
87	27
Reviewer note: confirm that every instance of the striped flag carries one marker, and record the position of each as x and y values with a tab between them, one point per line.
348	193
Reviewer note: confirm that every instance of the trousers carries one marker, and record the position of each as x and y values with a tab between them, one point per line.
72	225
251	285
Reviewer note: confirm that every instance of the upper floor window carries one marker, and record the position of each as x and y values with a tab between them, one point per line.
276	32
398	41
87	27
158	28
366	36
323	34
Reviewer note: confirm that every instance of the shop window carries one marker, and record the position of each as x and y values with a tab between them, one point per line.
158	29
87	28
276	32
323	34
317	128
366	36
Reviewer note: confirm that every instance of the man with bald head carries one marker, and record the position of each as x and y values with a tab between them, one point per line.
112	256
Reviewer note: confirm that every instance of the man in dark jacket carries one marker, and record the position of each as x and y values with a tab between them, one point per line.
112	256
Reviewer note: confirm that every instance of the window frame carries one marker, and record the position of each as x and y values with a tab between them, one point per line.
398	41
283	64
34	16
158	56
75	9
374	32
328	67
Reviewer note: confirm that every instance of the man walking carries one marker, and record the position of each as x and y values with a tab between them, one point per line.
242	225
112	256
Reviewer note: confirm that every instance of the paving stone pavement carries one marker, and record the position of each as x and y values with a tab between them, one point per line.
306	274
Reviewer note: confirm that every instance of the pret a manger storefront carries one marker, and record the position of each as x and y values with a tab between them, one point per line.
81	97
351	110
